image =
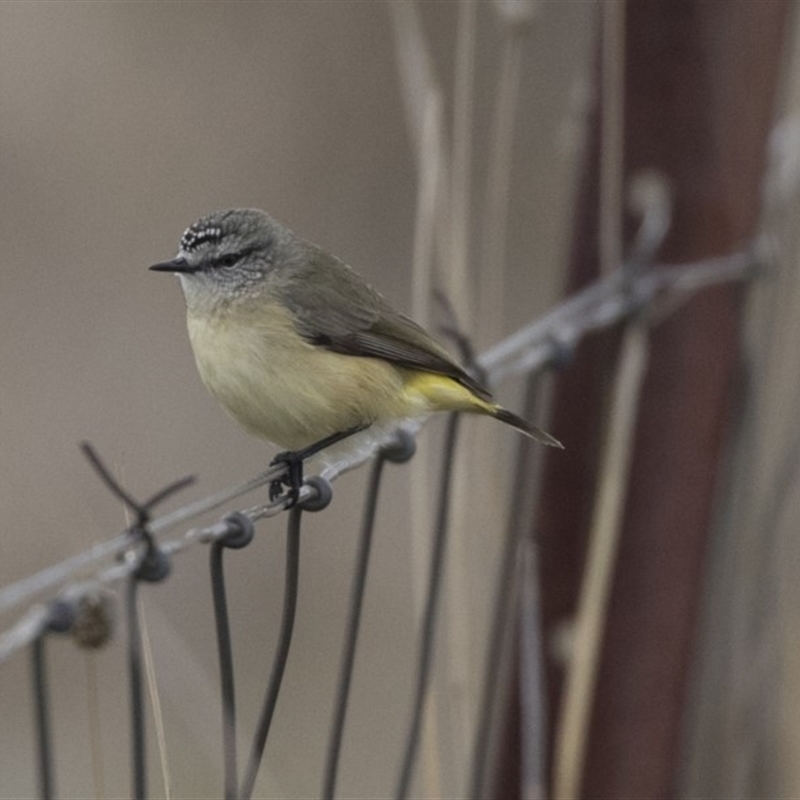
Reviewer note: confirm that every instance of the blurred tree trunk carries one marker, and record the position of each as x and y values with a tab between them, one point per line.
701	81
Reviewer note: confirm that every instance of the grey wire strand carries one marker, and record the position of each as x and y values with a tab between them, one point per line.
42	718
16	593
605	302
352	629
426	643
281	653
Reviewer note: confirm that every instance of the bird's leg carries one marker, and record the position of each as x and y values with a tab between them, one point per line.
293	477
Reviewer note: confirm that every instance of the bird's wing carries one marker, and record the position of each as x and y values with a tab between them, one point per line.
336	308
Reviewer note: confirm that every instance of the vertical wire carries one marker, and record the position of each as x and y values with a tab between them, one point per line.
281	653
42	718
352	628
138	765
533	710
95	737
227	688
524	496
533	693
429	621
574	717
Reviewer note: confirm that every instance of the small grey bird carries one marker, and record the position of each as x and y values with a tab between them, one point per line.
300	349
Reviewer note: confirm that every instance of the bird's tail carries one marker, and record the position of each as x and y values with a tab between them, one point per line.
434	392
504	415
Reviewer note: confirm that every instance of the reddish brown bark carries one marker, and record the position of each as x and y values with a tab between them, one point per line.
700	88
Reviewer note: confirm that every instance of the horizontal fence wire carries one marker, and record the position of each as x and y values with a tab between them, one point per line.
528	351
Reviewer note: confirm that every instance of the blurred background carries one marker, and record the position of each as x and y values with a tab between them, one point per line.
121	123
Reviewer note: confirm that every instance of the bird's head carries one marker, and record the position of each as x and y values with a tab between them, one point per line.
227	256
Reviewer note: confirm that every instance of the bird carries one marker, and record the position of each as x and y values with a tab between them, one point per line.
301	350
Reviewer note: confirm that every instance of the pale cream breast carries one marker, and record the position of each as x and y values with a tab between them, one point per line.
281	388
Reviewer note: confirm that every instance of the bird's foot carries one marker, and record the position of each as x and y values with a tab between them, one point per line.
291	480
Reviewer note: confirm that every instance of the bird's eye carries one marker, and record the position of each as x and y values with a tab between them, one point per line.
228	260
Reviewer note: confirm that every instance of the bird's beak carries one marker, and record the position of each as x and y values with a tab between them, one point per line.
176	265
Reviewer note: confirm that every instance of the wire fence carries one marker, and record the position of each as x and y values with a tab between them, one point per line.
68	592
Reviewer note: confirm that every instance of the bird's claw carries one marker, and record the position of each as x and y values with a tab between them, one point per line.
291	480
